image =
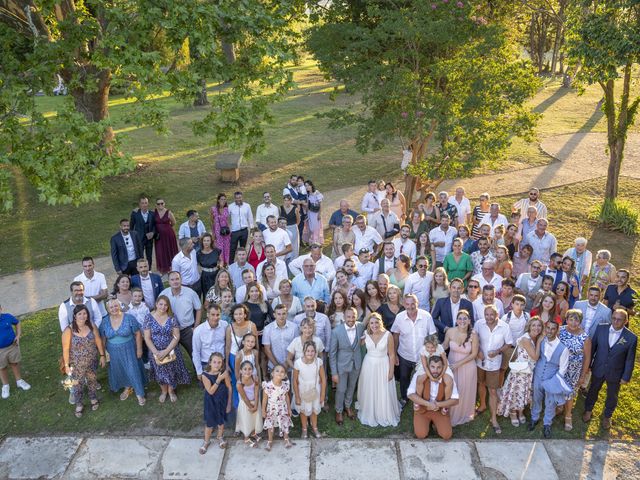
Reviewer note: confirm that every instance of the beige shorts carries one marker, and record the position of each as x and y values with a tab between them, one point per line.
490	379
10	354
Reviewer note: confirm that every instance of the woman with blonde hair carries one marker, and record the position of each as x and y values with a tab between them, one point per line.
222	282
286	298
440	284
391	307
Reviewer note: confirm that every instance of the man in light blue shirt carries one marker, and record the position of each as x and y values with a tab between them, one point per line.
310	284
239	266
277	336
208	337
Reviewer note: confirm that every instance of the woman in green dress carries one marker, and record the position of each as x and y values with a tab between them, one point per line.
458	264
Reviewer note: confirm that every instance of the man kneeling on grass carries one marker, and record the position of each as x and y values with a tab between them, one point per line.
432	396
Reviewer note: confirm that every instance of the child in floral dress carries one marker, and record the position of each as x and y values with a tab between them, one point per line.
276	405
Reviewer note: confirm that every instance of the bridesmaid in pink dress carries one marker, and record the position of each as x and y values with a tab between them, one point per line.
166	243
220	220
462	343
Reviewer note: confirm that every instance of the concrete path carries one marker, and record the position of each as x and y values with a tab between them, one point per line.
326	459
580	156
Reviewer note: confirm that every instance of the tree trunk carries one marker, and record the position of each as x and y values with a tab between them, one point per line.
229	52
201	99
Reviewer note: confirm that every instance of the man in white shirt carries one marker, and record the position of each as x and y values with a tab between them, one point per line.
488	276
366	236
542	242
239	266
186	307
403	245
441	239
494	338
419	283
241	222
366	270
533	200
517	320
488	298
208	337
277	237
386	223
65	311
463	205
409	330
247	277
370	202
548	377
324	265
270	257
495	218
95	283
323	324
347	254
193	228
186	264
264	210
388	259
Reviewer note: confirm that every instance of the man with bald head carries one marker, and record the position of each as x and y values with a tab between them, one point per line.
309	283
336	217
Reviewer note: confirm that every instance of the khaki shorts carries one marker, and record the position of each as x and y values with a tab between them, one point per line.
10	354
490	379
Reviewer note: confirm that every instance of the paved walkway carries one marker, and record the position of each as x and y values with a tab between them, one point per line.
178	458
580	156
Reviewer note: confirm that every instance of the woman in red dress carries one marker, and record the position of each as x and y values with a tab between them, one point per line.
255	249
166	243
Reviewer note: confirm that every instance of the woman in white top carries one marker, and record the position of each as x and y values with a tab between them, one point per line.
294	307
307	334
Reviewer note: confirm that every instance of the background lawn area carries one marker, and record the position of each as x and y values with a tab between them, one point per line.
44	409
180	167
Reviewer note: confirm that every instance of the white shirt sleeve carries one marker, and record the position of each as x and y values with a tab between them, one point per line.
412	386
196	345
62	317
96	314
564	362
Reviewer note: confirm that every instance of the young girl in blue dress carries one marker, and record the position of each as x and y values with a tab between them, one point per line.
217	400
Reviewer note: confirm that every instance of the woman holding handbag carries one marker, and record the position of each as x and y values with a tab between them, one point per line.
516	392
81	349
162	334
220	227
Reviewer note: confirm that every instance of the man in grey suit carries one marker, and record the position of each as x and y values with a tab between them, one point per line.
529	284
594	312
345	358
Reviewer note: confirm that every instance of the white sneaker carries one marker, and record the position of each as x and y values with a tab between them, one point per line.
5	391
23	385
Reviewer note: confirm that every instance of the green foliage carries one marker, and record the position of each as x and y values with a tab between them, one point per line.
141	48
618	215
437	74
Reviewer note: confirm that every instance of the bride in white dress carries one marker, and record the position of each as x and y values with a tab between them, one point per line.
377	397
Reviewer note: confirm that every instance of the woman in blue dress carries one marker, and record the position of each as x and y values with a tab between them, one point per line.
577	341
123	339
162	335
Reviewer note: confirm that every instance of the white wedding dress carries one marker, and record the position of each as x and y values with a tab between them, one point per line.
377	398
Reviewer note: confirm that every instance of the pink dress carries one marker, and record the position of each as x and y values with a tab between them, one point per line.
467	383
223	243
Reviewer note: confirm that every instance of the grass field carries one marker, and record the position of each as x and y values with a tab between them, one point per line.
44	409
180	167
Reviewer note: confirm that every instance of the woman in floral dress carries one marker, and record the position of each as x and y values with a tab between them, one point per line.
222	224
516	392
577	341
162	334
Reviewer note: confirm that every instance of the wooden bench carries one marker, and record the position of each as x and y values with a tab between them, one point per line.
229	166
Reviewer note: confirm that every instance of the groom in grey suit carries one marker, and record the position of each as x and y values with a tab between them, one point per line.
345	359
594	312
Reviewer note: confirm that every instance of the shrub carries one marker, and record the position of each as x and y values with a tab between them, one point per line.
618	215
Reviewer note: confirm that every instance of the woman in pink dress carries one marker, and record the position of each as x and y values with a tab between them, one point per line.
221	227
166	243
463	344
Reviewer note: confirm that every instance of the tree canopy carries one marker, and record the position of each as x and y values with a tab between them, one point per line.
136	46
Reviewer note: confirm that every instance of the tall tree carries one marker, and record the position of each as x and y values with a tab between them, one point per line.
437	74
606	42
96	44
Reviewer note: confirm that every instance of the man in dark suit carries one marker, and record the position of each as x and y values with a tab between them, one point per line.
143	222
613	353
445	308
126	249
150	283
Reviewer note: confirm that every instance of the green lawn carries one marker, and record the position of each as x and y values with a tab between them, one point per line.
180	167
44	409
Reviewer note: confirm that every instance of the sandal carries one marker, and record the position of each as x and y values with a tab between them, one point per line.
316	433
204	447
304	435
268	447
480	411
125	393
95	405
79	409
257	438
173	397
287	443
497	429
221	443
514	420
142	401
162	397
522	419
568	424
249	442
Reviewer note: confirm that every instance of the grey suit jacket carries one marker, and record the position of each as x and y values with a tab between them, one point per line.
601	317
523	285
345	356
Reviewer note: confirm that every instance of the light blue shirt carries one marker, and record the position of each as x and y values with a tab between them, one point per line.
235	272
319	289
279	339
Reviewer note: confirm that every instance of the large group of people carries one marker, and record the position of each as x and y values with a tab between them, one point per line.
437	305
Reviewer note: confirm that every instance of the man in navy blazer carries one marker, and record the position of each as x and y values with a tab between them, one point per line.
126	249
143	222
613	354
150	283
594	312
441	313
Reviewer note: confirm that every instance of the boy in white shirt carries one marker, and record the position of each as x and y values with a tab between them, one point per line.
139	310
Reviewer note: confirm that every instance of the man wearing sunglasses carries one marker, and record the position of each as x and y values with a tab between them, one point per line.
533	200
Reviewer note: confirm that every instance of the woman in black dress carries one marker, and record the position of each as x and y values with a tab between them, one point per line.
261	314
209	258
